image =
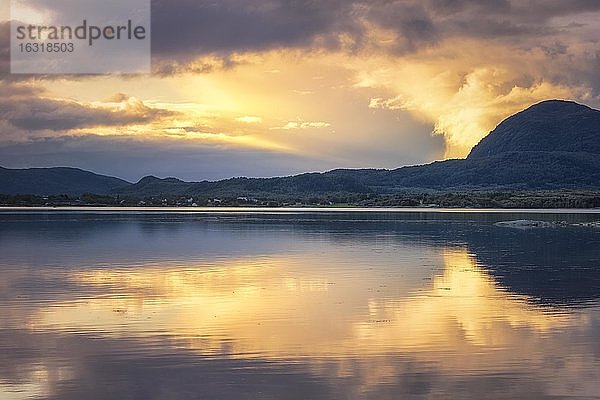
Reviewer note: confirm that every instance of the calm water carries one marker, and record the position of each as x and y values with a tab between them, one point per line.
299	305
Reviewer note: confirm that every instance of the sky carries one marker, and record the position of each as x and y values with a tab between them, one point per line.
275	87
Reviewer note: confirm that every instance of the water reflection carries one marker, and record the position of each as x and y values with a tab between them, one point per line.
296	307
278	309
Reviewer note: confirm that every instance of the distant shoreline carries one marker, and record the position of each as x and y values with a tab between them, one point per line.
500	199
299	210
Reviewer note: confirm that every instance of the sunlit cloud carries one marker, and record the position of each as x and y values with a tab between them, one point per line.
32	109
302	92
302	125
391	84
465	93
249	119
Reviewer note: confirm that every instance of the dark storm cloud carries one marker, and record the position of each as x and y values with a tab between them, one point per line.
24	107
188	27
57	115
533	10
185	29
555	49
545	9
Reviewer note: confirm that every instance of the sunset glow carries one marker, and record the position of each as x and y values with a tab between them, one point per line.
347	84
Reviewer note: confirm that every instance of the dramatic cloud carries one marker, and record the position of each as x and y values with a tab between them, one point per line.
348	83
26	107
230	26
461	65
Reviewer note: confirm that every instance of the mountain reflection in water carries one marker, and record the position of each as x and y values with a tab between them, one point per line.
297	305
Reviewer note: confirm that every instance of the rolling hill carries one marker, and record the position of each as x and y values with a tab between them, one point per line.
551	145
55	181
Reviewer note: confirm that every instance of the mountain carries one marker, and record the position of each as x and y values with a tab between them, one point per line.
54	181
549	126
510	170
551	145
